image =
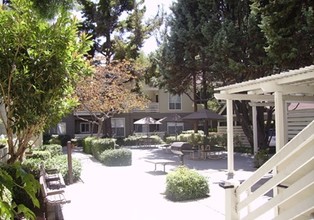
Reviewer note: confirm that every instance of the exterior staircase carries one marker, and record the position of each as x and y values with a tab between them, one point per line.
291	184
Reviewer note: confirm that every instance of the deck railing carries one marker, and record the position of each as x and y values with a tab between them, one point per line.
292	184
152	107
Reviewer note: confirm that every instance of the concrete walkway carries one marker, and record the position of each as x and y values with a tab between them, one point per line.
137	193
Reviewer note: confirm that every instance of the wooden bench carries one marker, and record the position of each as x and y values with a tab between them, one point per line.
52	190
162	162
53	177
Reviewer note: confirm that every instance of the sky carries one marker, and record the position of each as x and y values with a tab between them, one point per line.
151	10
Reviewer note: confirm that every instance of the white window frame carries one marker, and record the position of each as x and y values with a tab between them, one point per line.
87	125
180	102
173	124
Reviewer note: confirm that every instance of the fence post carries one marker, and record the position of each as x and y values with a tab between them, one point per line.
70	170
230	199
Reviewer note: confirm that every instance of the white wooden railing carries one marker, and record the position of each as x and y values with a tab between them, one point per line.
292	184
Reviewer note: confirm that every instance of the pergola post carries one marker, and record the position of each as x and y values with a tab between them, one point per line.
254	122
230	138
280	116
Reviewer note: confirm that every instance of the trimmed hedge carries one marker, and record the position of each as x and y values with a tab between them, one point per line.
87	144
186	184
134	140
100	145
54	149
41	154
116	157
59	162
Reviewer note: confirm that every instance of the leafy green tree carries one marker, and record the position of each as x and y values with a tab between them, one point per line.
289	29
48	8
17	178
40	64
117	26
214	42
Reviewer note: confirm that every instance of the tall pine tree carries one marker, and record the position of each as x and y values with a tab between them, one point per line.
289	28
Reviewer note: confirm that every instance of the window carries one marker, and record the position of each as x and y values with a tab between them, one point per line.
174	128
84	127
117	126
174	102
61	128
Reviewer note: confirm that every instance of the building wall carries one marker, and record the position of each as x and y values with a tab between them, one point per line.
187	104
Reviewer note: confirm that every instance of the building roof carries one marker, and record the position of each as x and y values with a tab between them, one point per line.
296	84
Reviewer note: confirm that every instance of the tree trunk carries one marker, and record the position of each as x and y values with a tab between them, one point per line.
99	131
242	113
195	104
204	99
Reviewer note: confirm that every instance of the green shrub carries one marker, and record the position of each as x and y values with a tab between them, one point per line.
58	162
156	139
134	140
191	137
100	145
185	184
31	165
61	164
54	149
170	139
41	154
131	140
260	157
61	139
87	144
54	140
116	157
23	188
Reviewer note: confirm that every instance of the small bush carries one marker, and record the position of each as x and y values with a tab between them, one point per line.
61	164
54	149
100	145
58	162
185	184
171	139
131	140
156	139
40	154
260	157
54	140
31	165
134	140
116	157
87	144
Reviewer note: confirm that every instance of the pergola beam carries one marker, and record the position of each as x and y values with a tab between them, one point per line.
221	96
287	89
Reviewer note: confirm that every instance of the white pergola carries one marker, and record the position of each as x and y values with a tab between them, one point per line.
275	90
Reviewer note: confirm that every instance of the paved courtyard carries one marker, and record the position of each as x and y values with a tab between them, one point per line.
137	192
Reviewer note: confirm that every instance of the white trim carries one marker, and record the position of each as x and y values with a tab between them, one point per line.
88	125
175	109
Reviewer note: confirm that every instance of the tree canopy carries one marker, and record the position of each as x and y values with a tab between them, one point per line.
40	64
288	26
228	41
109	91
118	27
